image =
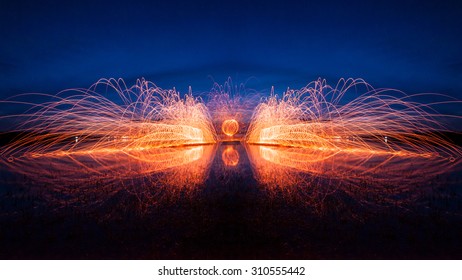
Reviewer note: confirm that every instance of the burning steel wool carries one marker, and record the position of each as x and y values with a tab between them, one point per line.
144	117
148	124
230	127
376	122
231	108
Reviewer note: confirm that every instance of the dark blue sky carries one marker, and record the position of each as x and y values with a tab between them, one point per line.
415	46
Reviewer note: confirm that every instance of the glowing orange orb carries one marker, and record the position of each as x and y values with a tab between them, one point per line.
230	156
230	127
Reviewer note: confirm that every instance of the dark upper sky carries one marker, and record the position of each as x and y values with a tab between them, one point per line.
415	46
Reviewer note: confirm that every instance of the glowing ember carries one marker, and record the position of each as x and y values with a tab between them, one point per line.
230	127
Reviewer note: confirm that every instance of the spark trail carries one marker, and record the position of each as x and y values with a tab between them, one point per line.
84	121
375	122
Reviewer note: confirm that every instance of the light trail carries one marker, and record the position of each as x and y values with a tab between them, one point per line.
375	122
230	127
144	117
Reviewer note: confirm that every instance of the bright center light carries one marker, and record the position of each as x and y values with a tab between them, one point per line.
230	127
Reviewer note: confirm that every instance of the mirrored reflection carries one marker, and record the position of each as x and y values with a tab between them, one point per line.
230	155
327	179
230	169
96	178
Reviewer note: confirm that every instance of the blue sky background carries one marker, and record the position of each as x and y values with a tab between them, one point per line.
415	46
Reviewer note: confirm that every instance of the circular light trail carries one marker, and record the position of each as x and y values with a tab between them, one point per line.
230	127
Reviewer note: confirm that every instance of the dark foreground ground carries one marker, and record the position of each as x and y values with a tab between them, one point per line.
230	216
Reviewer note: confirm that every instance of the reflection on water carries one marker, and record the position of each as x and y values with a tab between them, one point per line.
309	175
368	181
230	156
229	201
148	174
349	167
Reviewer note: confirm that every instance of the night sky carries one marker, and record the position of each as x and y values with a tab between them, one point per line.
415	46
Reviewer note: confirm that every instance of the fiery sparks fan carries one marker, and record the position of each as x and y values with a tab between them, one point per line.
376	122
144	117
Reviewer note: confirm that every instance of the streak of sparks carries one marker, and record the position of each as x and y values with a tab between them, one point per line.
375	122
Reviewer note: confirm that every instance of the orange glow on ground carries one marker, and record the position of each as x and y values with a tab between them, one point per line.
230	127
